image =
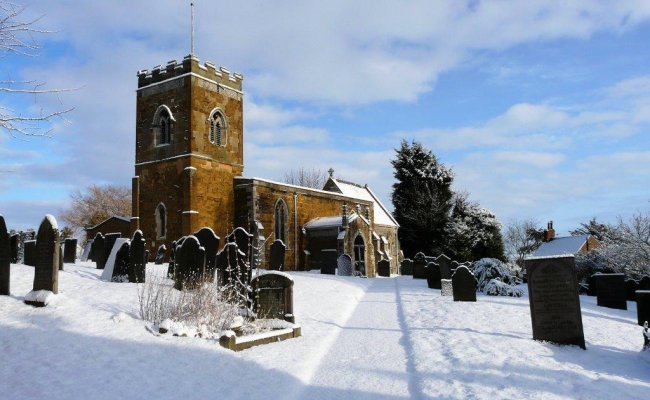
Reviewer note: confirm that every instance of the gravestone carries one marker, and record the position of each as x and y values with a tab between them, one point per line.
406	268
419	265
433	275
121	266
328	260
232	266
171	267
273	296
242	238
644	283
85	255
30	253
61	257
210	242
591	286
631	286
445	266
276	263
146	256
643	306
5	258
189	261
98	250
46	271
554	302
114	269
610	291
14	241
383	268
137	258
464	284
109	242
344	265
446	287
70	251
160	254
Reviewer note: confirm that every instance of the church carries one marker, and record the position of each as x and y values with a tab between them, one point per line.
189	165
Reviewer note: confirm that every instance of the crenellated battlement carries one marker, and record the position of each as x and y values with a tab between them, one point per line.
190	64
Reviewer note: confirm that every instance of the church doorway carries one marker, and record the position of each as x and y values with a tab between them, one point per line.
359	256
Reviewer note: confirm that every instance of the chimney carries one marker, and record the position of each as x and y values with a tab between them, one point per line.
344	216
549	233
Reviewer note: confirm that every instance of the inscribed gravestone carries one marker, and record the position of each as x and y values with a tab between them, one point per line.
109	242
464	284
273	296
383	268
631	286
189	261
433	275
328	261
419	265
160	254
610	291
554	301
5	256
277	255
446	287
445	266
406	268
232	266
344	265
137	258
46	271
242	238
210	242
70	251
85	255
643	306
98	250
30	253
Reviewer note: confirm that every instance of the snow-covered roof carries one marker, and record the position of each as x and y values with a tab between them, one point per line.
125	219
381	214
560	246
324	222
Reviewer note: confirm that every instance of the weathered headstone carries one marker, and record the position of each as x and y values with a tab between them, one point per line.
85	254
137	258
70	251
278	249
232	266
210	242
121	268
114	270
109	242
554	302
419	265
189	263
99	243
160	254
5	258
344	265
406	268
445	266
30	253
464	284
433	275
446	287
644	283
610	291
46	271
631	286
328	261
242	238
14	241
643	306
383	268
273	296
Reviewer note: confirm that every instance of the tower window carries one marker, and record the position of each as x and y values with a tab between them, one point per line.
161	221
162	125
217	128
280	218
165	128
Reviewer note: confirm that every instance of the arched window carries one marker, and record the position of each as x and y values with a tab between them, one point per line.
162	125
360	255
161	221
217	127
280	220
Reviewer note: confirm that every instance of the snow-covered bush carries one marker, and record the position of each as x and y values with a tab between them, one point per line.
590	263
498	288
487	269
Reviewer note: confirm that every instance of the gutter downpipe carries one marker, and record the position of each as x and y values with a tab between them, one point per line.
295	231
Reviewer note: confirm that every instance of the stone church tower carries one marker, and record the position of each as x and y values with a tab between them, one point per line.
189	148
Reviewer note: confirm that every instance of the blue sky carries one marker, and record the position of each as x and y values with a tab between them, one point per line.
541	108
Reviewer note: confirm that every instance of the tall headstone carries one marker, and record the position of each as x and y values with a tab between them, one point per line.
278	249
114	269
643	306
232	266
383	268
46	271
242	238
344	265
70	251
30	253
631	286
210	242
328	260
99	243
464	284
419	265
109	242
433	275
445	266
137	260
160	254
121	268
406	268
610	291
85	254
189	263
273	296
5	258
554	302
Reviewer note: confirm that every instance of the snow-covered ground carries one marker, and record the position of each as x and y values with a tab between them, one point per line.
384	338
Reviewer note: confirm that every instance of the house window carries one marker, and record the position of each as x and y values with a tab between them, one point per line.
161	221
217	128
162	125
280	219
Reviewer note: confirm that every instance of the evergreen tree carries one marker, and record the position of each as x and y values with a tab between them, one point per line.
422	199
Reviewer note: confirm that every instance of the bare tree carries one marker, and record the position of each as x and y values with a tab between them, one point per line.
520	240
96	204
17	38
311	178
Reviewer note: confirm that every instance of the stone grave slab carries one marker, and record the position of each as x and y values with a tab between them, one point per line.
406	268
121	268
610	291
242	238
419	265
85	254
46	270
160	254
189	261
445	266
5	258
210	242
464	284
433	276
383	268
344	265
328	261
70	251
278	249
273	296
446	287
643	306
109	242
137	258
14	241
110	265
98	250
30	253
